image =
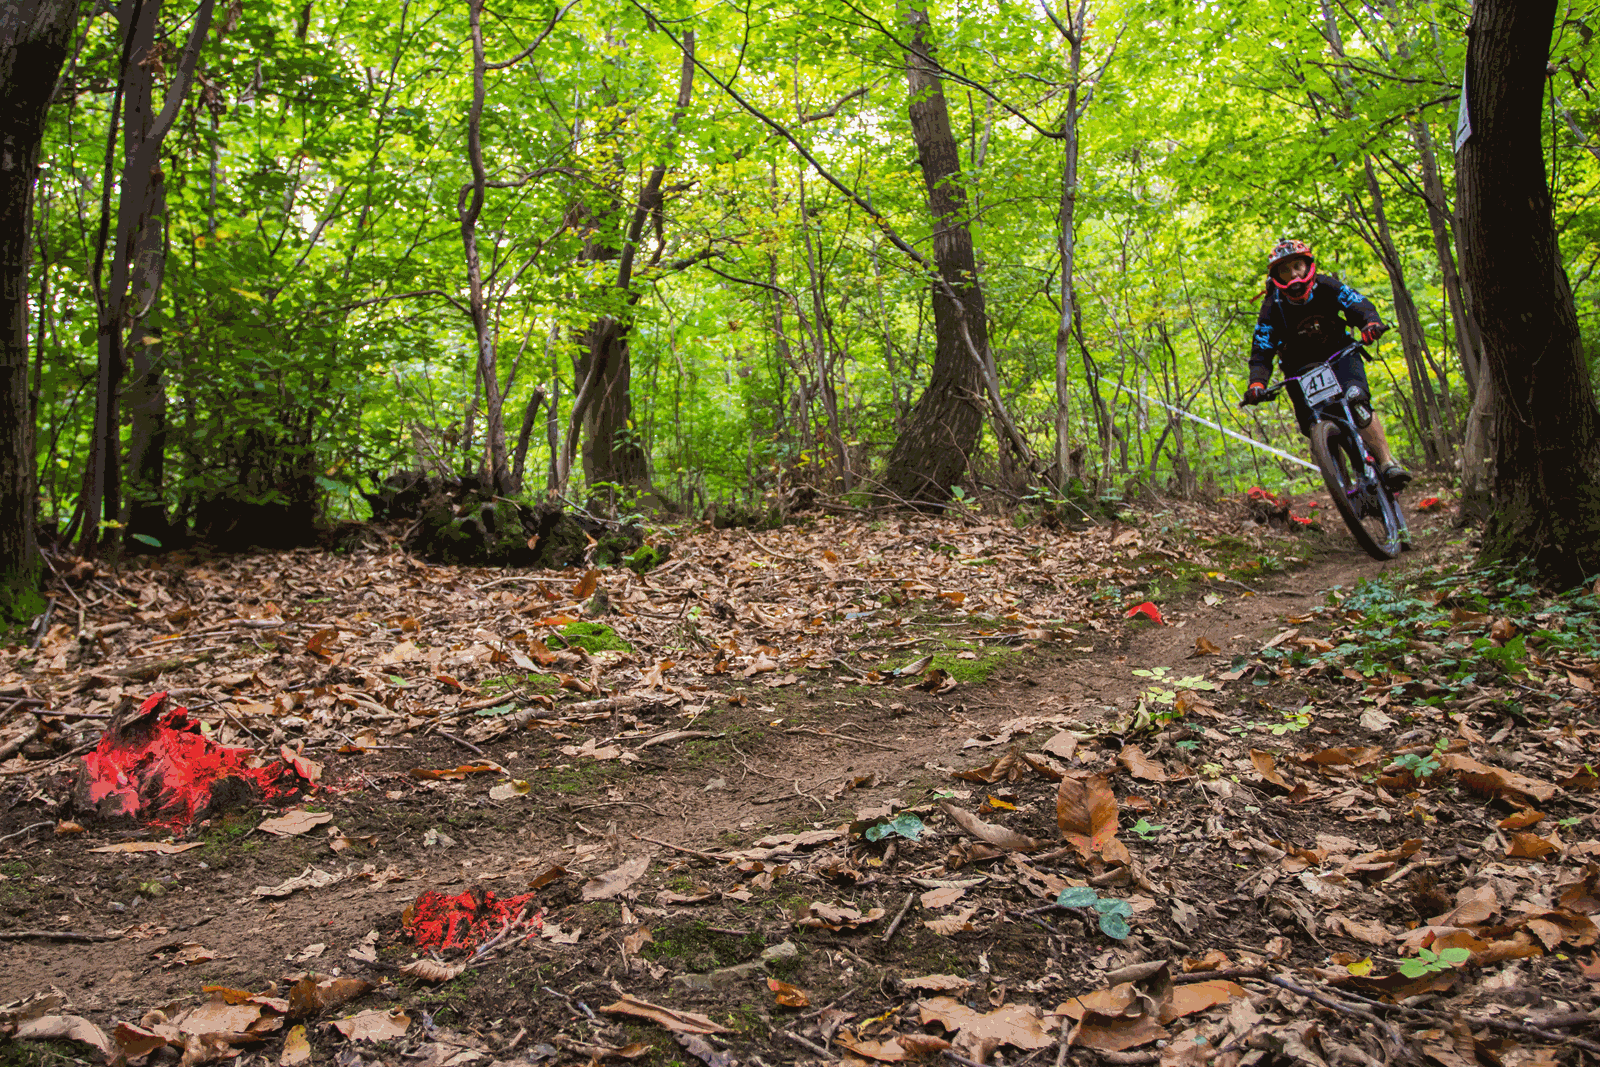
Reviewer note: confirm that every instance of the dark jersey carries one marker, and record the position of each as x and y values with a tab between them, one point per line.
1301	334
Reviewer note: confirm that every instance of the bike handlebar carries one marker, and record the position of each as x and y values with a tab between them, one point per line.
1277	387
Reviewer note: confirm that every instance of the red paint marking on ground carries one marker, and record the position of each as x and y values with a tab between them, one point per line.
160	769
437	922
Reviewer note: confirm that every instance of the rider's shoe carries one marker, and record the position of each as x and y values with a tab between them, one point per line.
1396	477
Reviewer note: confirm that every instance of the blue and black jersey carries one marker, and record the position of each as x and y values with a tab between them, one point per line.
1298	335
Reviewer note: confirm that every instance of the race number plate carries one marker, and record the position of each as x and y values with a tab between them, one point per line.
1319	385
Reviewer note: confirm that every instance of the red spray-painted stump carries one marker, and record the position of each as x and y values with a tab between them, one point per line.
158	769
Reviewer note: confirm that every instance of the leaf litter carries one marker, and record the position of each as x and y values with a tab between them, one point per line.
1338	862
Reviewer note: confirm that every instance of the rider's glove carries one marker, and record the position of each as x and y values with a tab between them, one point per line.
1372	331
1255	394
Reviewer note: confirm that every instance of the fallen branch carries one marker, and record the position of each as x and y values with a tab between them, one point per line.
714	857
812	1045
26	830
12	746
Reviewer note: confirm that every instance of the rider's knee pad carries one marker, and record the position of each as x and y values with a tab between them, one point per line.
1360	405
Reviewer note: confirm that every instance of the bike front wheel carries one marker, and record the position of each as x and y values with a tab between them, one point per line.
1364	503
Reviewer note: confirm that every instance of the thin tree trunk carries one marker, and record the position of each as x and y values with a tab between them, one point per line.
933	452
469	206
1067	246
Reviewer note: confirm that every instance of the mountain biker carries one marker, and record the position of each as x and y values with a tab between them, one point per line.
1302	322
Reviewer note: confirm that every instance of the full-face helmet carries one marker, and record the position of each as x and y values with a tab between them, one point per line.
1286	250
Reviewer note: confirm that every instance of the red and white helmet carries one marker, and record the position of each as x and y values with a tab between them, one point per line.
1289	248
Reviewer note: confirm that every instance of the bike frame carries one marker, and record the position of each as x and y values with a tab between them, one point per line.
1336	409
1364	492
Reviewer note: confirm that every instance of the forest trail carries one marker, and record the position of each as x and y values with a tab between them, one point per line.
776	804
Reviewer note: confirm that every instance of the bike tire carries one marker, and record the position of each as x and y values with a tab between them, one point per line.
1368	509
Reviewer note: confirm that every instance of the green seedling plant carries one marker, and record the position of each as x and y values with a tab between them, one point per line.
1422	767
1114	914
1426	961
1147	830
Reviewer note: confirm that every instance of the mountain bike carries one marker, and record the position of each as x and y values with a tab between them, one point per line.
1348	468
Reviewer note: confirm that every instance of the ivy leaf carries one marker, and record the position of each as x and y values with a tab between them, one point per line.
1077	897
904	825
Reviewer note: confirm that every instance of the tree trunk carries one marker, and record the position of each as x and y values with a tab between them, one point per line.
1546	435
141	170
469	206
1067	244
147	393
1468	347
602	402
932	453
34	35
1430	430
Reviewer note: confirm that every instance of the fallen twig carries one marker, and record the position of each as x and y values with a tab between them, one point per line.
805	1044
54	935
911	898
1335	1004
26	830
714	857
80	750
463	742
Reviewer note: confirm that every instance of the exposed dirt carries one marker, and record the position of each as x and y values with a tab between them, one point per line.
717	815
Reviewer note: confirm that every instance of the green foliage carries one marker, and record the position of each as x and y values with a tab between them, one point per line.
1426	961
1113	914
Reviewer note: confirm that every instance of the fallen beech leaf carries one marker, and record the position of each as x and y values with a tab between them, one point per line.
1266	765
1198	996
989	833
162	847
787	995
890	1051
374	1025
943	896
939	983
1063	745
296	1049
1014	1024
685	1022
1139	765
584	587
315	994
68	1028
433	970
1497	781
1204	647
837	916
294	823
1530	847
310	878
617	880
958	923
1086	812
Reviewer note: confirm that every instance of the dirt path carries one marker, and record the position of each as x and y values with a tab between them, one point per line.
716	814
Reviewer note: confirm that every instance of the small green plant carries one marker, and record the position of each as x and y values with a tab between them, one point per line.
1164	690
1114	914
594	637
1293	722
1426	961
1422	767
1147	830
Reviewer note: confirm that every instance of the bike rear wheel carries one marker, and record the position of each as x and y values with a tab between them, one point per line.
1365	504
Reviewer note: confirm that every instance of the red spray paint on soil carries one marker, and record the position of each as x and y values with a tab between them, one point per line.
437	922
159	769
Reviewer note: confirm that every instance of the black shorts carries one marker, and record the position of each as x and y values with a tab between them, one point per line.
1350	369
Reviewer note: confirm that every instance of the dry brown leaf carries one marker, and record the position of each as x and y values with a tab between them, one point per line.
314	994
296	1049
958	923
989	833
433	970
294	823
1139	765
787	995
943	896
1198	996
1063	745
1531	847
890	1051
1496	781
66	1028
374	1025
686	1022
837	916
1086	812
938	983
163	847
1018	1025
1266	765
616	881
